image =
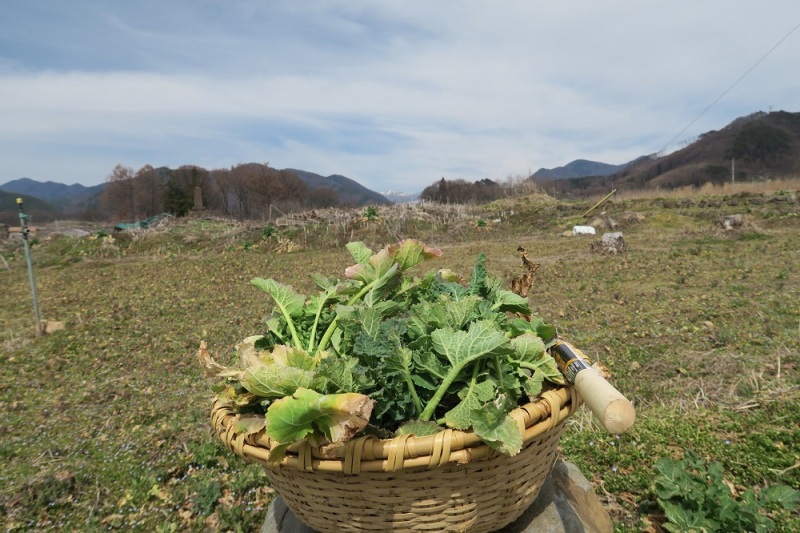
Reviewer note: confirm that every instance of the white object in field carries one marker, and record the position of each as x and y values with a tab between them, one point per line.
612	238
583	230
611	408
730	222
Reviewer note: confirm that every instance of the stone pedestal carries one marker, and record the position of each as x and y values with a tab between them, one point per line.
566	504
198	199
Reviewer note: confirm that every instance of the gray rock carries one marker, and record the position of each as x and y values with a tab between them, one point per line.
566	504
611	243
280	519
730	222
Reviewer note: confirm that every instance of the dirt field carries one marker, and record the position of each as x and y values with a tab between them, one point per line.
105	423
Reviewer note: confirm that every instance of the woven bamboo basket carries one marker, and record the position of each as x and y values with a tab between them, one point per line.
450	481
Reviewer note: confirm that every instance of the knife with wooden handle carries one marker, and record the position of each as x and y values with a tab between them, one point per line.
611	408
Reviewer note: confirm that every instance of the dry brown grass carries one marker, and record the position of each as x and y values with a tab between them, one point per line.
711	189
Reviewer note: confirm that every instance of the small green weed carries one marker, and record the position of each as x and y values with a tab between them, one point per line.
693	494
269	231
371	213
207	493
207	453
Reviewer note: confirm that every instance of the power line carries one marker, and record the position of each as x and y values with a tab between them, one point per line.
734	84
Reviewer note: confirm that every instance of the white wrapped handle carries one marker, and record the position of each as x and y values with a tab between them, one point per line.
611	408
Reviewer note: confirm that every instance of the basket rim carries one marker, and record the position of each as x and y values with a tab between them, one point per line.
371	454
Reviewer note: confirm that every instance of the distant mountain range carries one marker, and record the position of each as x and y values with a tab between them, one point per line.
51	199
350	192
762	145
578	169
59	196
39	210
400	197
49	191
48	200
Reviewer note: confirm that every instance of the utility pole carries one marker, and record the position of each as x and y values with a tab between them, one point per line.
733	171
23	222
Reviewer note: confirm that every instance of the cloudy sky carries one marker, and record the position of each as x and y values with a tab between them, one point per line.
394	94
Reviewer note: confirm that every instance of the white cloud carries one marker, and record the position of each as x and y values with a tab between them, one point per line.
394	94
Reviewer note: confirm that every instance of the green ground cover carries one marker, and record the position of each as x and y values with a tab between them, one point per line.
105	423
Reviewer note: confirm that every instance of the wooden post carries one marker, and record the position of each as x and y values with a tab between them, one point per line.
598	204
23	221
198	199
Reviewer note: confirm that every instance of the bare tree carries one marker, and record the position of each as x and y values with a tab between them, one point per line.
293	192
460	191
322	197
264	186
119	194
221	181
149	191
241	187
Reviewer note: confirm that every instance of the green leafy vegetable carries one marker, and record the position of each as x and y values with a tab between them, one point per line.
401	360
419	428
273	381
359	251
535	364
462	348
289	302
473	397
400	353
249	423
336	416
493	425
510	302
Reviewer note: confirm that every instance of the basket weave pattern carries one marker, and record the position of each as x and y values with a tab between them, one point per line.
450	481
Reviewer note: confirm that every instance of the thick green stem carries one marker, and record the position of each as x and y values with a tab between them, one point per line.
314	327
475	370
280	337
524	364
295	338
499	370
440	392
414	397
323	343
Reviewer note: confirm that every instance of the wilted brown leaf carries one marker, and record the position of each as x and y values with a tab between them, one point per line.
210	367
226	500
249	423
113	520
522	284
212	522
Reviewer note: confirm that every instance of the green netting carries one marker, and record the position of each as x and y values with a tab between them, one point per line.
146	223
